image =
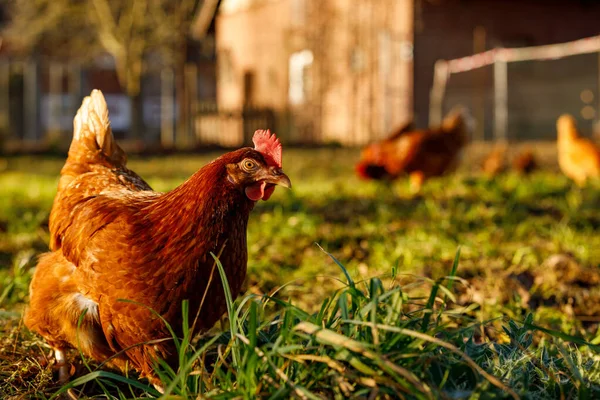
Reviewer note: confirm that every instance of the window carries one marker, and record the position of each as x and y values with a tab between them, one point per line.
300	82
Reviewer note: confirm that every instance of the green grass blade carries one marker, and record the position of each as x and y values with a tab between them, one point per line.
454	269
339	264
92	376
232	318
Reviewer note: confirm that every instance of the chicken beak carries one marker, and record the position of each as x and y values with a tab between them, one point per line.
284	181
277	177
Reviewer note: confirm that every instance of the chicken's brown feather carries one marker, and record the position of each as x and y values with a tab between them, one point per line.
426	153
128	255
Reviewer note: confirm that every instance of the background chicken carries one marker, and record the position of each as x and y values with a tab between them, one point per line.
420	153
578	158
525	161
113	238
495	161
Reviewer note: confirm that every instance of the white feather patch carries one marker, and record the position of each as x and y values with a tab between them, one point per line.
86	304
92	117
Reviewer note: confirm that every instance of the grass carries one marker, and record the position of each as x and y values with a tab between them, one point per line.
355	289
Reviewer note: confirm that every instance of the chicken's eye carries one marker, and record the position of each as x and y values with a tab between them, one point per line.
249	165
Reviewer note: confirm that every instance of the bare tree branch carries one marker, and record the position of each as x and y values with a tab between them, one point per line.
106	28
129	31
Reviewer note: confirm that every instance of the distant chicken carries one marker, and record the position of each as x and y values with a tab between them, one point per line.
578	158
419	153
120	250
495	162
525	162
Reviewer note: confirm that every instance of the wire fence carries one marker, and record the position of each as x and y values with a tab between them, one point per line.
517	94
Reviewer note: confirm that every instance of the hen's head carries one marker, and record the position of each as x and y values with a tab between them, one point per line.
256	171
370	171
370	165
567	128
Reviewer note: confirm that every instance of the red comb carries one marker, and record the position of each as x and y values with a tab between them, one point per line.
268	145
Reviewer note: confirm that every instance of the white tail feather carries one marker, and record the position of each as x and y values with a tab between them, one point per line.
92	116
92	127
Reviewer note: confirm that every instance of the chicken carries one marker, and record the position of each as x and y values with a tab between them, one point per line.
419	153
127	256
370	165
578	158
495	161
525	162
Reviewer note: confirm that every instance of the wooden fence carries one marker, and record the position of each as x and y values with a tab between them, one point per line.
38	101
231	128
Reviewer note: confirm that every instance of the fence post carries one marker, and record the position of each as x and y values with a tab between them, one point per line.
191	85
4	101
55	75
500	98
74	87
167	111
479	45
31	101
436	97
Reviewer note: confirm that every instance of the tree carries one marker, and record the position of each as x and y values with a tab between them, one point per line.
130	31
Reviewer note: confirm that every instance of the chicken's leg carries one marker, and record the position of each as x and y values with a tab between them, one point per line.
63	369
63	374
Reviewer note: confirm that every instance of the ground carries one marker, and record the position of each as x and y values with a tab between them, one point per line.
364	263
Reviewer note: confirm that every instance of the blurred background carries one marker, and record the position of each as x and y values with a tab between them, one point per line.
187	74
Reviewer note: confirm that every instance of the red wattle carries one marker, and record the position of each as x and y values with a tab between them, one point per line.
268	192
255	192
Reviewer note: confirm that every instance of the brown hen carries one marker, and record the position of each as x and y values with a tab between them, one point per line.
419	153
495	162
128	256
525	161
